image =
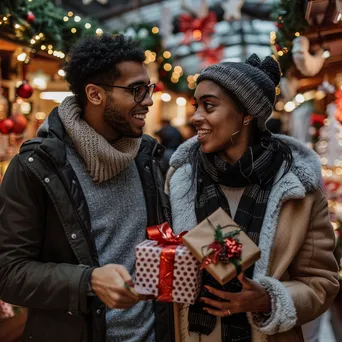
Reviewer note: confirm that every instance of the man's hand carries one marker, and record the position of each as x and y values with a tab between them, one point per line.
252	298
113	285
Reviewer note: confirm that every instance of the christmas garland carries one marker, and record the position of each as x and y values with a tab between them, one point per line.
289	16
41	23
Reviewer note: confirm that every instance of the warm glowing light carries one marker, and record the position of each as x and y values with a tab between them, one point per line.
65	18
197	34
280	53
70	14
87	26
300	98
77	18
61	72
155	30
178	69
181	101
190	79
40	116
290	106
73	30
50	47
22	57
326	54
43	47
279	106
17	26
167	66
33	41
297	34
165	97
167	54
99	32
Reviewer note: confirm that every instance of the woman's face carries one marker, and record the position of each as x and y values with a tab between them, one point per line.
216	118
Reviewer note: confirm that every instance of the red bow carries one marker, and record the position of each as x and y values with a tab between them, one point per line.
204	27
163	234
211	56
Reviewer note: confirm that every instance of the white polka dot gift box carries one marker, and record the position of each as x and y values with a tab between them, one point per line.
165	268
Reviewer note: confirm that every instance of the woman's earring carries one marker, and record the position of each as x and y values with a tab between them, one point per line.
246	123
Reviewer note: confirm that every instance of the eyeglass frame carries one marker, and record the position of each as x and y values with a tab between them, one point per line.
147	87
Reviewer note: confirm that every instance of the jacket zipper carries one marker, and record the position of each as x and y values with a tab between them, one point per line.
74	207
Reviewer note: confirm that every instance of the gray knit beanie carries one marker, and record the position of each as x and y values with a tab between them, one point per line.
253	84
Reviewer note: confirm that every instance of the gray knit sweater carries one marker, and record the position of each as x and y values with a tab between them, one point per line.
118	221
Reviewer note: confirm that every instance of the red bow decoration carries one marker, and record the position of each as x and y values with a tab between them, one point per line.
211	56
224	249
164	235
199	29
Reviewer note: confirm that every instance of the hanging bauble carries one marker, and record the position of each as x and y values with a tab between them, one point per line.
25	90
6	126
20	123
30	17
278	48
159	86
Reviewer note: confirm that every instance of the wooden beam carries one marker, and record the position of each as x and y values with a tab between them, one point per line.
324	30
118	10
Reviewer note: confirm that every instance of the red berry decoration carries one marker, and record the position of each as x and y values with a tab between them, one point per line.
6	126
20	123
25	90
159	86
30	17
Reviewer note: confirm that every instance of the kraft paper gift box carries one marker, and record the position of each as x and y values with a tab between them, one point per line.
240	248
168	271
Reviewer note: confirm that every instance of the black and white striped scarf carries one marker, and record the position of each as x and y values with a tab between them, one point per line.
256	171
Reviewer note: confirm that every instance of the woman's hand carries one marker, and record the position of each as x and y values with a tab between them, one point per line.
252	298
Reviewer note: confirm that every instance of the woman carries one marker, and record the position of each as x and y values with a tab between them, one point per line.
270	185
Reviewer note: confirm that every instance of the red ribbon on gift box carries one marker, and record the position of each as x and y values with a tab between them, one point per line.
163	234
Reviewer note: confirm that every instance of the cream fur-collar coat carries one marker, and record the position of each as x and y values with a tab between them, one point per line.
297	264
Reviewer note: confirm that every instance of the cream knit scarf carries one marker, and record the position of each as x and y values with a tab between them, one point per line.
103	160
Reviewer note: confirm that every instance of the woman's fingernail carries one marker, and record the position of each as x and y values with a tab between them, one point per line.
205	309
208	288
202	300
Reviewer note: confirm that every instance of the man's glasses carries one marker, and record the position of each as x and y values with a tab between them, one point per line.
139	91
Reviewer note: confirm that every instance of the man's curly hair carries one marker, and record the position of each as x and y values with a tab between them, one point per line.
94	59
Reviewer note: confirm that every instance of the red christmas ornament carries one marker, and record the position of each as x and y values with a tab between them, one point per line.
159	86
25	90
6	126
278	48
20	123
30	17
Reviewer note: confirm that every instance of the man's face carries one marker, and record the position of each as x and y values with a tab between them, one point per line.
122	114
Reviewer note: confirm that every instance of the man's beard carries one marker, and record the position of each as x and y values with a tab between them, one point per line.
114	118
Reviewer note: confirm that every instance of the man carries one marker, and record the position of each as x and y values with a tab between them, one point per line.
170	138
75	202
